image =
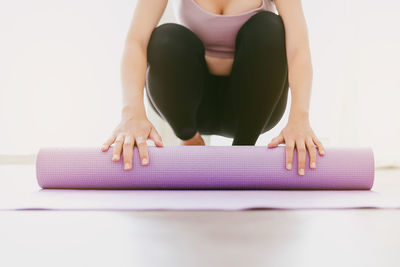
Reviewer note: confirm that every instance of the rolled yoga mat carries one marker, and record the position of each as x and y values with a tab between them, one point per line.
204	167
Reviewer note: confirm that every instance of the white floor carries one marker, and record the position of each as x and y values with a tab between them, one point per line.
344	237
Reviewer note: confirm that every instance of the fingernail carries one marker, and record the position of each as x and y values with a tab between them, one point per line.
114	157
301	171
289	166
127	165
323	152
144	161
313	165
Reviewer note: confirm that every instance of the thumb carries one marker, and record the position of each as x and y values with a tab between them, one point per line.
156	137
276	141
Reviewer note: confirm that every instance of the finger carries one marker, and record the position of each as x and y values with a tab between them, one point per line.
276	141
289	154
312	151
127	151
320	147
155	137
108	143
143	151
118	147
301	156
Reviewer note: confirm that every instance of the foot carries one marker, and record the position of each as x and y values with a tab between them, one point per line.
196	140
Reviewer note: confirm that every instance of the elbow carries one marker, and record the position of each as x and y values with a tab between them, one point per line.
300	56
132	43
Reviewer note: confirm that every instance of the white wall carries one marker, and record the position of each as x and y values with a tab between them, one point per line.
60	85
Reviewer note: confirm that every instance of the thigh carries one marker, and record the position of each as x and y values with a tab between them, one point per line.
176	71
257	83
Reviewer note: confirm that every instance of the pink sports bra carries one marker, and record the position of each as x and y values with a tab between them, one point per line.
217	32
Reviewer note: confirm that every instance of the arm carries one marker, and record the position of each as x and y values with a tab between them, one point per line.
298	132
134	126
298	55
134	62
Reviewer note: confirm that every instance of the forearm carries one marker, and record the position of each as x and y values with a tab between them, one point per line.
133	73
300	83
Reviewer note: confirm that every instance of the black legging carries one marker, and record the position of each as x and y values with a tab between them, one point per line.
243	105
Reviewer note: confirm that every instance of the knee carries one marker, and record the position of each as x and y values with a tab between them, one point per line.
185	133
275	119
264	30
170	40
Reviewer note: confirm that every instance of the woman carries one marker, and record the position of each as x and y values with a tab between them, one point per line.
224	69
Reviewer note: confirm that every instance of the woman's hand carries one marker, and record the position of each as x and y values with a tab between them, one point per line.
299	134
131	131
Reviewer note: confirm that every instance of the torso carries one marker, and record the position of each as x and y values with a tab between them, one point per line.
218	65
223	65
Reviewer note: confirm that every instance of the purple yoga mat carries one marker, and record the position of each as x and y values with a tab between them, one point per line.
203	167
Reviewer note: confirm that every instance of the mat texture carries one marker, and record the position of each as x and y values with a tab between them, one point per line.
203	167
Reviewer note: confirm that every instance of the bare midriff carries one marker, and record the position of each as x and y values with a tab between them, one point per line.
218	65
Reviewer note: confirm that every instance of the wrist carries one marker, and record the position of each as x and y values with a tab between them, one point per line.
133	111
298	115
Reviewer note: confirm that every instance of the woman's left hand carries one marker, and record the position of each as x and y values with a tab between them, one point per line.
298	133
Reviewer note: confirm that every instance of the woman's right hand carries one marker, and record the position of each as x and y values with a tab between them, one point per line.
131	131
